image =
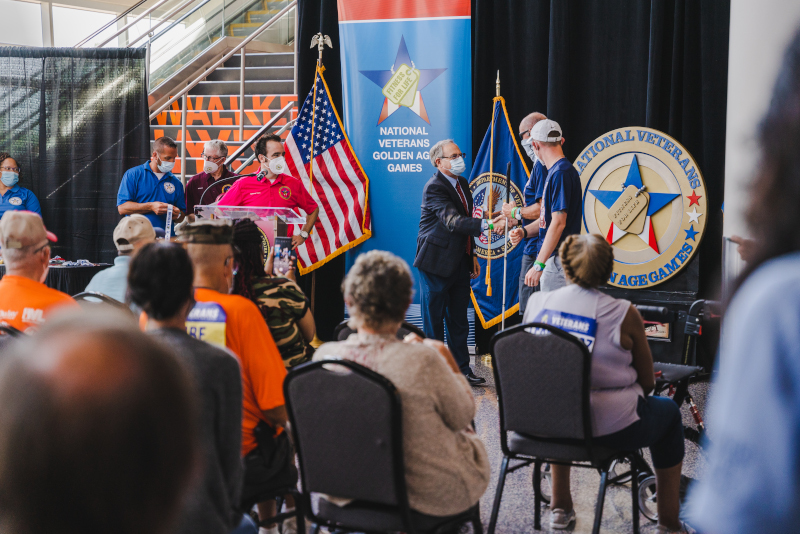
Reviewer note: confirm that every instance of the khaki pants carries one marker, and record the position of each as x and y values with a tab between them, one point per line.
553	275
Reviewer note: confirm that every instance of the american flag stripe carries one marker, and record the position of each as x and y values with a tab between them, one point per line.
338	183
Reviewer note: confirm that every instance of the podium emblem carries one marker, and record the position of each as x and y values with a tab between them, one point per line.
644	193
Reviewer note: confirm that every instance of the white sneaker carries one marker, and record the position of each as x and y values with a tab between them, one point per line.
559	519
685	529
271	530
290	526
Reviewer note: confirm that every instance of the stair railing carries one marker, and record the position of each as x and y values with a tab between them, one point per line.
111	23
163	19
250	141
135	21
182	94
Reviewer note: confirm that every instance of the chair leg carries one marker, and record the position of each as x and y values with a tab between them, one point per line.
477	526
498	495
601	497
635	495
537	495
300	516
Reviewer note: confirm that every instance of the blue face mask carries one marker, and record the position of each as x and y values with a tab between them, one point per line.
9	178
457	166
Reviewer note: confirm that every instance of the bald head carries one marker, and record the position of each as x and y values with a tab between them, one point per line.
527	123
213	266
98	425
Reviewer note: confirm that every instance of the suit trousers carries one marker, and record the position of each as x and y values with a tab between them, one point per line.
444	302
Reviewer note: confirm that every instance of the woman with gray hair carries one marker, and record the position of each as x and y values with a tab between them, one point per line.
447	469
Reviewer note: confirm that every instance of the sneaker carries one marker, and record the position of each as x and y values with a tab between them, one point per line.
685	529
290	526
559	519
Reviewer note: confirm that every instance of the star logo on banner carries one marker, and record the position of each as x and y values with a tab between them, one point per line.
382	77
656	203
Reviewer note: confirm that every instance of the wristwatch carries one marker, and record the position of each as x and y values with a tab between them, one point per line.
538	266
304	234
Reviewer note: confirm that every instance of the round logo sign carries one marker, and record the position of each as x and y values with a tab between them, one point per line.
644	193
226	188
15	201
169	188
285	192
480	188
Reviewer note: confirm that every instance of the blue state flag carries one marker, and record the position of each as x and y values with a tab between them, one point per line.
488	183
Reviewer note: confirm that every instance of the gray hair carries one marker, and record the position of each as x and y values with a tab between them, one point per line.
378	289
18	258
438	150
218	145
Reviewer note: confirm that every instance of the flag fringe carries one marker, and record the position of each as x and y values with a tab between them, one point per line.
486	325
337	252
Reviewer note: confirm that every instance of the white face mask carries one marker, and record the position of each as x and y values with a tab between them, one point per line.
457	166
165	166
527	144
209	167
277	165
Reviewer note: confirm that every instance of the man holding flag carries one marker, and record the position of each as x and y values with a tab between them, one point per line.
445	253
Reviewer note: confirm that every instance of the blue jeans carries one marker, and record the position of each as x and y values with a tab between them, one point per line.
659	427
246	526
445	301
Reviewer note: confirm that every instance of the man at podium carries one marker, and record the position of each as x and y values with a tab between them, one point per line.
273	188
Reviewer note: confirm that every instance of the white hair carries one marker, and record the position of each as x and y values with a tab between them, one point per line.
218	145
438	150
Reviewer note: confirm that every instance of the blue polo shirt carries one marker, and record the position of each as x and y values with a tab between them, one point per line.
141	185
562	192
18	198
533	192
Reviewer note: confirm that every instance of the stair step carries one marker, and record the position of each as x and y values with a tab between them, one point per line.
221	119
230	101
201	135
251	73
260	16
244	29
285	87
263	59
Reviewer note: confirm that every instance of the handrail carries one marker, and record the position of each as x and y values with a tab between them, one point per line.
270	123
140	17
113	22
164	19
249	160
178	21
224	58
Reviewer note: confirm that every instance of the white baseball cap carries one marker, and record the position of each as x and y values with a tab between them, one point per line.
543	128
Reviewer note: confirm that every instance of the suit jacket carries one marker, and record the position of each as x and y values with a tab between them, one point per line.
444	226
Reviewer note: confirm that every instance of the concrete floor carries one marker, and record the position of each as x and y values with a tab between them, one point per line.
516	511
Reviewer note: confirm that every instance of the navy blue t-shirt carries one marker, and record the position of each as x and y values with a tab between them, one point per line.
533	192
562	192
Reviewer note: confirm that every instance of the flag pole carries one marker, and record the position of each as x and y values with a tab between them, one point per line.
505	248
489	193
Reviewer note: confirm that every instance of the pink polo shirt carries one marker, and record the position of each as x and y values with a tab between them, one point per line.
285	192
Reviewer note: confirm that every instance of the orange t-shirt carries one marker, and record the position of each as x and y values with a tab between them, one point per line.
247	336
25	303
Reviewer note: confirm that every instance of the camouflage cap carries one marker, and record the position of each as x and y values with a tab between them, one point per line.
208	232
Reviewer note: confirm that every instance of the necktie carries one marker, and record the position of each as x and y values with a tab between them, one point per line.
466	209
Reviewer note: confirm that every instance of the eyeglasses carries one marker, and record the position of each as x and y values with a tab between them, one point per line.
524	135
454	156
12	169
210	158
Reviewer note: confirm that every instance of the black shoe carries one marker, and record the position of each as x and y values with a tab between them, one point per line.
474	380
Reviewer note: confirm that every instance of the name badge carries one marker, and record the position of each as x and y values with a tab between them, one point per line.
583	328
206	322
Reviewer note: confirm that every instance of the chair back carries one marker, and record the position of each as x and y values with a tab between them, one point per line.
94	297
343	331
542	379
347	424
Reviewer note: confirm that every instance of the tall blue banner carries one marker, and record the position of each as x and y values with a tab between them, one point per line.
500	260
406	79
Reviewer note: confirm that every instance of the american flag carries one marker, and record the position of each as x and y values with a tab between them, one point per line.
337	183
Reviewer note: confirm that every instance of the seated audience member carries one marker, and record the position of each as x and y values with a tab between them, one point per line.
240	327
751	483
213	501
447	469
25	302
12	196
281	301
623	416
132	232
205	187
97	426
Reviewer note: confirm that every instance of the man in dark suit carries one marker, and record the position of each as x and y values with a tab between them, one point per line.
445	252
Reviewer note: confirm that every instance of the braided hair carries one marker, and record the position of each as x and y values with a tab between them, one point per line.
588	260
248	247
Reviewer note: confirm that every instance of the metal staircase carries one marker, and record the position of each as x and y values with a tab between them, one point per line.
200	86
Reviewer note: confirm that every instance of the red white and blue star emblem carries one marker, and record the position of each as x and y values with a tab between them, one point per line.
382	77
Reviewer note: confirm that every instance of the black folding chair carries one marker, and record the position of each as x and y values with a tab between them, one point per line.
347	427
94	297
343	331
542	378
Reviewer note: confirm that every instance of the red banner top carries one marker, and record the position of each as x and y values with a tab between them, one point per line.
355	10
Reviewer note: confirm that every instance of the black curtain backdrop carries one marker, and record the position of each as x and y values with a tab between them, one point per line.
75	120
593	66
328	299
